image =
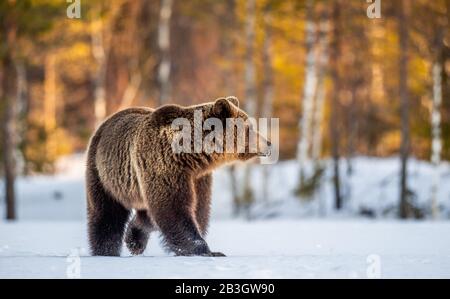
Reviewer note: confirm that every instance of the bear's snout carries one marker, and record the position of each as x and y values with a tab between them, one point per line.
264	147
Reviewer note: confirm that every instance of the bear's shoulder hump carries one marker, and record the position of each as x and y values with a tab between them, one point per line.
165	115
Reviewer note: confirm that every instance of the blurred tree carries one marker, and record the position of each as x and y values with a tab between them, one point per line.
228	65
435	33
250	94
101	43
309	92
403	18
164	47
310	141
268	88
18	23
335	57
323	40
9	28
310	183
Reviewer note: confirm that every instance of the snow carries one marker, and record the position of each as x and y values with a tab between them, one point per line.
287	237
373	186
259	249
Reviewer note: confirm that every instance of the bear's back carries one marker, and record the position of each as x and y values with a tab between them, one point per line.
120	128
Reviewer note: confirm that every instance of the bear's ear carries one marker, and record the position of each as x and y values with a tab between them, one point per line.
222	108
233	100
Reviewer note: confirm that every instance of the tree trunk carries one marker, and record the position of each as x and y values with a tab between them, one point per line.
21	111
268	87
250	85
165	15
50	93
9	136
250	93
377	90
100	54
404	102
236	198
50	96
335	102
317	121
352	126
319	103
9	89
321	90
438	75
436	144
309	91
267	65
229	85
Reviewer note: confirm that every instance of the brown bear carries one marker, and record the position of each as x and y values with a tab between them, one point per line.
131	165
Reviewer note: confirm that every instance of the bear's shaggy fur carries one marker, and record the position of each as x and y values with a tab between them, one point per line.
131	166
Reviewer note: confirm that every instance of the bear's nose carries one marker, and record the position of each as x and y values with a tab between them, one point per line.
269	143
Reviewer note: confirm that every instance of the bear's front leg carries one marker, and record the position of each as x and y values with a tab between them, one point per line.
172	208
203	188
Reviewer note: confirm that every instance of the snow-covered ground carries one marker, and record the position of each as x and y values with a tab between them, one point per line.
288	238
261	249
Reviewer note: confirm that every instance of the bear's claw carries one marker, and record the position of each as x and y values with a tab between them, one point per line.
135	248
215	254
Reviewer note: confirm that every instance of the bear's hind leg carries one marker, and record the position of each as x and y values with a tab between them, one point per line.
106	222
138	232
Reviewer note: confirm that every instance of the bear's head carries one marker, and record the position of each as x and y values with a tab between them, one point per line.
219	130
242	140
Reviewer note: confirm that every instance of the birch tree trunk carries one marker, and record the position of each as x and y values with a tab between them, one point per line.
165	15
250	93
404	102
317	120
321	90
436	145
318	116
439	76
309	92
